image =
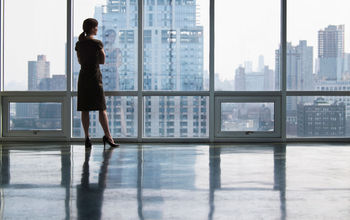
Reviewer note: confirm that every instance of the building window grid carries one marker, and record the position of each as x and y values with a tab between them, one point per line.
282	92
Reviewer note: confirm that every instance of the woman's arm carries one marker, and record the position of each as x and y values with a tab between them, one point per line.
101	57
78	55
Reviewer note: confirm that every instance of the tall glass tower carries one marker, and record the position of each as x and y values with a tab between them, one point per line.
173	61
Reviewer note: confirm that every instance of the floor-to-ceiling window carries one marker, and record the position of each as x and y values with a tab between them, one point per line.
318	68
197	69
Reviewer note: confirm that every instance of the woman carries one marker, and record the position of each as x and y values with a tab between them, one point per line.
90	90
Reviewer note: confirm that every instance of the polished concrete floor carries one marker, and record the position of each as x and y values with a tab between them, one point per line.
154	181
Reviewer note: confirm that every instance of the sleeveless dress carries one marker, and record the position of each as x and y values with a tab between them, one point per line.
90	88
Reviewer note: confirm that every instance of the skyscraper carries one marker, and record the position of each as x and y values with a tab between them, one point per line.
37	70
173	60
299	66
240	79
254	81
331	52
261	64
299	77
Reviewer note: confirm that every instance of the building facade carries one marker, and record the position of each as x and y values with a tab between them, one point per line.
331	52
321	119
173	61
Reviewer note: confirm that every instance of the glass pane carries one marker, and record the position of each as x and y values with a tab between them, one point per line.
122	118
326	116
118	32
247	116
176	40
176	116
35	35
247	33
318	52
35	116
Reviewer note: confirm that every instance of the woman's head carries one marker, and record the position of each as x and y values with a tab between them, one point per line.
89	27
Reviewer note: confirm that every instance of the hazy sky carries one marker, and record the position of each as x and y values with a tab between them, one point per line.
244	30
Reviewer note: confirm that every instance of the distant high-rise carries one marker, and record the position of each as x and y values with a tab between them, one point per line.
299	77
346	67
240	80
299	66
331	52
54	83
248	66
173	60
269	80
37	70
261	64
253	81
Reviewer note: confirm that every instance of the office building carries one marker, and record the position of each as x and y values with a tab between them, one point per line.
331	52
321	119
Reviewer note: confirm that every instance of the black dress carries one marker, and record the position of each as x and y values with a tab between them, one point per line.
90	88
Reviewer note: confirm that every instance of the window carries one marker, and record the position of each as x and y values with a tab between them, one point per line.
122	124
176	46
250	84
34	51
317	116
118	37
247	117
173	122
318	52
247	33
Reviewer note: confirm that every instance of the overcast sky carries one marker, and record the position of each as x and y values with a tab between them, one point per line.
244	30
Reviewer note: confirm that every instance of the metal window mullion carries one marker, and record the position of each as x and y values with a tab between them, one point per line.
318	93
283	69
2	18
140	70
211	73
30	94
248	93
112	93
175	93
67	117
2	42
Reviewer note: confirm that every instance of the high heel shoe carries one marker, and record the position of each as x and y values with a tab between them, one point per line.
87	142
105	139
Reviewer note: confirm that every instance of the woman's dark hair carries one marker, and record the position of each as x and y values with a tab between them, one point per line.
87	26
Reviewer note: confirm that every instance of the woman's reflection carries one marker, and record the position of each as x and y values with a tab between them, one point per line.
90	196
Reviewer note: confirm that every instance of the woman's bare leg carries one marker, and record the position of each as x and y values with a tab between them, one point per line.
103	118
85	119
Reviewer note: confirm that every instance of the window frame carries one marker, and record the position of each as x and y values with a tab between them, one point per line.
276	100
54	97
65	97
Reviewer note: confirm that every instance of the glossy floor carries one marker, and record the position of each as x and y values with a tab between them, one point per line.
175	182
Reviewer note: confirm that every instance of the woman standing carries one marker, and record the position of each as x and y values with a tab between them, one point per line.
90	89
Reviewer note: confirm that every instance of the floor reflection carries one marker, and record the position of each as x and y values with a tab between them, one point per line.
90	195
174	182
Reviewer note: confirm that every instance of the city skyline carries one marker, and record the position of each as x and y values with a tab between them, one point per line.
174	60
15	62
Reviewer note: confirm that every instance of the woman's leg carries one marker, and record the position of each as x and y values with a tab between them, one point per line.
85	120
103	118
